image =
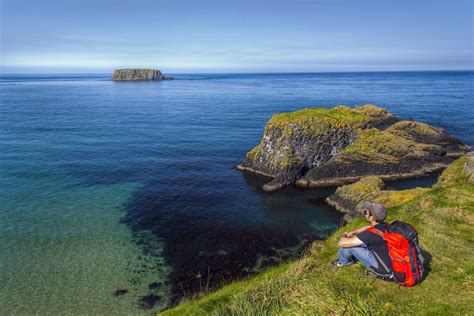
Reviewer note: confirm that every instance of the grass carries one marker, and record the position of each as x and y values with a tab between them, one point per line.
412	130
453	175
444	217
382	147
339	116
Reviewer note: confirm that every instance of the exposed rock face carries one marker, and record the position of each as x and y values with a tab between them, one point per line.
138	74
278	157
469	168
321	147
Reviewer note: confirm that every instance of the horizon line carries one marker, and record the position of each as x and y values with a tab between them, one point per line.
237	72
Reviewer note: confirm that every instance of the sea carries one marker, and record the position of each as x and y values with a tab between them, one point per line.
123	197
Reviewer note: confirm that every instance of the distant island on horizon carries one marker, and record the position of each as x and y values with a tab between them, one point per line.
139	74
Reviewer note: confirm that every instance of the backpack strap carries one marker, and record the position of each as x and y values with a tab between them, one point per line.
383	276
377	232
380	233
381	262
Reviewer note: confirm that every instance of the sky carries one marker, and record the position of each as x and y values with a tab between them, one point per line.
236	35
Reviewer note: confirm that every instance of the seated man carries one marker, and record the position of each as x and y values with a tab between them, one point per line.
365	246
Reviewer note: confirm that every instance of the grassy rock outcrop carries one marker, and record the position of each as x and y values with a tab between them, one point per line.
320	147
379	153
138	74
426	134
348	198
458	173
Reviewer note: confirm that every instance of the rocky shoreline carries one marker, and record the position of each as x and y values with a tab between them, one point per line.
319	147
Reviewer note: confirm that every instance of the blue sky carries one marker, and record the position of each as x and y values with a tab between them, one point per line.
235	36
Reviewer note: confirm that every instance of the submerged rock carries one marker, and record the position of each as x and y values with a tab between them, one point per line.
138	74
154	286
149	300
120	292
322	147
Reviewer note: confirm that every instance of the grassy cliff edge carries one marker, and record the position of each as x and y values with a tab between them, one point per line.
443	216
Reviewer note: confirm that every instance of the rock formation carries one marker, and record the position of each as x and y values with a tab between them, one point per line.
348	198
321	147
138	74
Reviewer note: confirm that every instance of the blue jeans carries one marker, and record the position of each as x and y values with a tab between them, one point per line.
362	254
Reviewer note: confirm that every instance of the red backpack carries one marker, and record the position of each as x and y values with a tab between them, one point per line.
405	254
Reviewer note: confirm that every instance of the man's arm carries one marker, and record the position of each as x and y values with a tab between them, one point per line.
360	230
347	242
355	232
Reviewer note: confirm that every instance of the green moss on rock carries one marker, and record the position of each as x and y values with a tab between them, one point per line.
382	147
337	117
253	154
371	110
415	130
454	174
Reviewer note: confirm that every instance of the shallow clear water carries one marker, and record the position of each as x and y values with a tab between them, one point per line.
107	185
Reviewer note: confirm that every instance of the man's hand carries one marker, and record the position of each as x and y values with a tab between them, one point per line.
347	234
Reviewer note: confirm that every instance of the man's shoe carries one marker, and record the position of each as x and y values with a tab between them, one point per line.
337	263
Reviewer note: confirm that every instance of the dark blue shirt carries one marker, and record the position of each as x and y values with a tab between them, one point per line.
376	243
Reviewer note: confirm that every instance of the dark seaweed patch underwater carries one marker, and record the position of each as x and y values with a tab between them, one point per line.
218	240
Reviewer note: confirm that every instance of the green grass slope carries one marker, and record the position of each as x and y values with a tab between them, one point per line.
444	218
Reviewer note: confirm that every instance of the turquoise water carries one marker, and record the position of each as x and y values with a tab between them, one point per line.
111	186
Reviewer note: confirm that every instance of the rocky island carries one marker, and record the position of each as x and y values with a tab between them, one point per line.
317	147
138	74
